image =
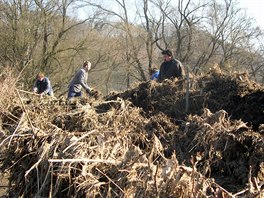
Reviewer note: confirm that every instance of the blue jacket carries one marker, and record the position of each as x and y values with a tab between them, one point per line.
155	75
43	86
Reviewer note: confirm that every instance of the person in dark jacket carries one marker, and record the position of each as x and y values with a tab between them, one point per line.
79	81
170	68
42	85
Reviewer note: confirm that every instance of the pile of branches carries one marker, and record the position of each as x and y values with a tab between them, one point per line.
138	143
236	94
113	157
7	92
153	97
227	150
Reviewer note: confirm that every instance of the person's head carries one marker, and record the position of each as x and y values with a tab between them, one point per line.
87	65
167	55
40	76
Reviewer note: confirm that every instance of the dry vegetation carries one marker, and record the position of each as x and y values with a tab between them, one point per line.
139	143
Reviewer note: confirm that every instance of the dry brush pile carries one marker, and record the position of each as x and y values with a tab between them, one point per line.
139	143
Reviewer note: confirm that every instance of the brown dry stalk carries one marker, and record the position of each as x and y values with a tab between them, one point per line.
75	142
20	121
110	180
155	180
27	92
114	162
46	148
23	106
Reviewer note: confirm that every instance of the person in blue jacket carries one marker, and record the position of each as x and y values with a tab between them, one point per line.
42	85
154	74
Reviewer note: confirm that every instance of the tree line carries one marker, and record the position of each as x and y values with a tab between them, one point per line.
123	39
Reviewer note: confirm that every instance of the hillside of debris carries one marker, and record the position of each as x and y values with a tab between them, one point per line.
155	139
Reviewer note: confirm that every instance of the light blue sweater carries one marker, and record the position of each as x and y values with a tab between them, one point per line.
80	80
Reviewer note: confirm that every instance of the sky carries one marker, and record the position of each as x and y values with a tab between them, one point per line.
255	9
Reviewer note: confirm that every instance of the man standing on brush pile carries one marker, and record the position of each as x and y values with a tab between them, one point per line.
170	68
79	81
42	86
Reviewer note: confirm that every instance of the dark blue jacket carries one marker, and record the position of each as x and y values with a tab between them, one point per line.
171	69
44	86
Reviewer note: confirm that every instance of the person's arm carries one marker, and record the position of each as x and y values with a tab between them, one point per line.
176	69
155	75
47	90
83	80
35	87
152	77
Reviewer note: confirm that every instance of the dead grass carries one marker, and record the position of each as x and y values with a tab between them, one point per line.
139	143
3	185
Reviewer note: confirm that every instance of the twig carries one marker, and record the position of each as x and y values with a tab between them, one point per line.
110	101
85	160
111	180
190	170
194	163
256	183
15	163
20	121
226	144
51	182
46	148
32	93
44	183
89	133
134	161
23	106
80	133
251	187
241	192
155	180
224	190
15	135
187	90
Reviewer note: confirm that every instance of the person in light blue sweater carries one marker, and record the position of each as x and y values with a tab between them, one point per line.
79	81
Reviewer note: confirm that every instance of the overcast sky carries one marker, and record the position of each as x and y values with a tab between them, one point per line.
255	9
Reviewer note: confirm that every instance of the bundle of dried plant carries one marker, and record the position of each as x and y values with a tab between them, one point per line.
140	143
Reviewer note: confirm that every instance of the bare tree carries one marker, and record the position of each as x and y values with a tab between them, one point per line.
149	23
204	32
38	34
55	13
123	38
131	45
181	20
